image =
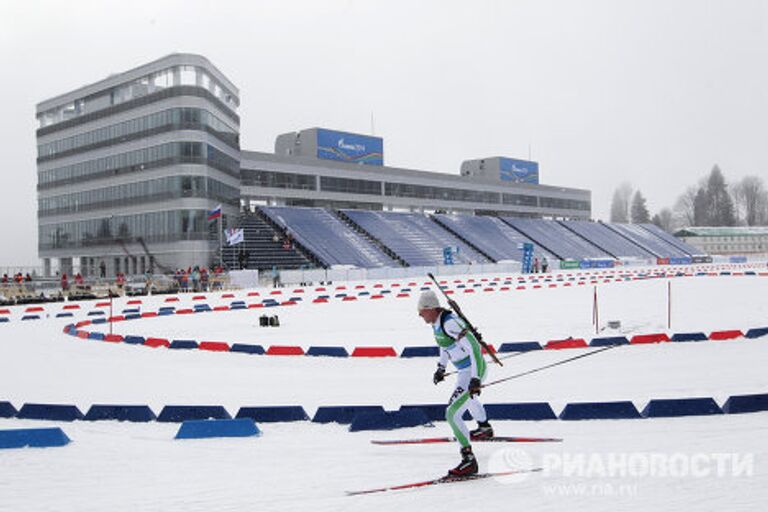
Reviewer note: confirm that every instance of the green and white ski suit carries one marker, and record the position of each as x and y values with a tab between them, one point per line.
459	346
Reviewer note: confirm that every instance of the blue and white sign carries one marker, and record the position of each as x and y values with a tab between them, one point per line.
348	147
521	171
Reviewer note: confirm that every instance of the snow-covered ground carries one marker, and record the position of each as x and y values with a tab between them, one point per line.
299	466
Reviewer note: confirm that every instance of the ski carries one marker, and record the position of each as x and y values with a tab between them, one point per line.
499	439
442	480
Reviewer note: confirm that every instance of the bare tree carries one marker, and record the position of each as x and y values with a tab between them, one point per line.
684	207
664	219
751	198
620	203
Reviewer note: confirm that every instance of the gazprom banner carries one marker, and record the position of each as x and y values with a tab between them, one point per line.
519	170
348	147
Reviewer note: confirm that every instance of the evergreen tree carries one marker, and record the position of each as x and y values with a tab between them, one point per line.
718	200
700	212
640	213
620	203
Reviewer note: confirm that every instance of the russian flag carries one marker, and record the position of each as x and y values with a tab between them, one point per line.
214	214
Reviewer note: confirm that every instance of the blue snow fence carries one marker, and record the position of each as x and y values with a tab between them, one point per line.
53	412
624	410
520	346
247	349
521	411
609	341
328	351
183	344
64	314
97	312
132	316
738	404
432	351
343	414
363	294
33	438
96	336
206	429
7	410
433	412
97	321
674	407
132	413
274	413
388	420
238	304
202	308
134	340
3	319
689	336
130	310
179	413
30	317
757	333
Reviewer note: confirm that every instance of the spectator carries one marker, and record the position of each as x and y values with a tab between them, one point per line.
204	279
535	265
103	269
64	282
544	264
5	278
79	279
28	278
275	277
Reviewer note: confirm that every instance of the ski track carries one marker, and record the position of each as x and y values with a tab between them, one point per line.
299	466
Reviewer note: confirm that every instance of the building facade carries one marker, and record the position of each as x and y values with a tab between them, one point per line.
129	166
739	240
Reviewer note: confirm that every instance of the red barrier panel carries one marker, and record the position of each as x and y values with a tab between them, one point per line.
5	311
553	285
118	318
469	290
449	292
149	314
83	335
214	346
349	298
253	306
374	352
341	287
378	285
288	303
82	323
221	308
649	338
490	347
377	296
726	335
168	299
572	343
34	309
488	289
157	342
185	311
228	296
198	297
402	296
134	302
504	289
320	301
275	292
72	306
113	338
253	294
285	350
360	287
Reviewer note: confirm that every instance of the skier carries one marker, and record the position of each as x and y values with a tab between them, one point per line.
462	349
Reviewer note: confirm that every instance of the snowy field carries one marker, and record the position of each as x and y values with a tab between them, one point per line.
301	466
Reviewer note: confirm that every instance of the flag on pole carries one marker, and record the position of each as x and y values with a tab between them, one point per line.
214	214
235	236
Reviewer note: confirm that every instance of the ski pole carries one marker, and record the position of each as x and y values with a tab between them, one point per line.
455	307
502	358
541	368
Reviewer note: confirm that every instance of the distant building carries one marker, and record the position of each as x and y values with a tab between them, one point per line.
129	167
726	240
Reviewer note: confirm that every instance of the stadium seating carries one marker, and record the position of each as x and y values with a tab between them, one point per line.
555	238
608	240
647	240
415	238
262	250
327	237
673	240
492	236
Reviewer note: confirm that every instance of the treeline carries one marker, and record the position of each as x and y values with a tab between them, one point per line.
713	202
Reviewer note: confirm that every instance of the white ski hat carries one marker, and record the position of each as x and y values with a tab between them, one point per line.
428	300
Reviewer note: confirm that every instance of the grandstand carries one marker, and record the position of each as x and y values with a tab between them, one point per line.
610	241
648	241
555	238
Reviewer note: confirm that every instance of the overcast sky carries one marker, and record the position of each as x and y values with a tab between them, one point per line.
650	92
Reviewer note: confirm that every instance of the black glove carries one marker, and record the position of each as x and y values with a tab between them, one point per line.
474	386
439	374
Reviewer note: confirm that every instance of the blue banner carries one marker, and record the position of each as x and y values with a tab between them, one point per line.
447	256
527	258
348	147
521	171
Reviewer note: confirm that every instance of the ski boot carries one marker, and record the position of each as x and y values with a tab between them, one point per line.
467	466
483	431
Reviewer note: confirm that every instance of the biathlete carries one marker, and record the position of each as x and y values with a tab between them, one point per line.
461	347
